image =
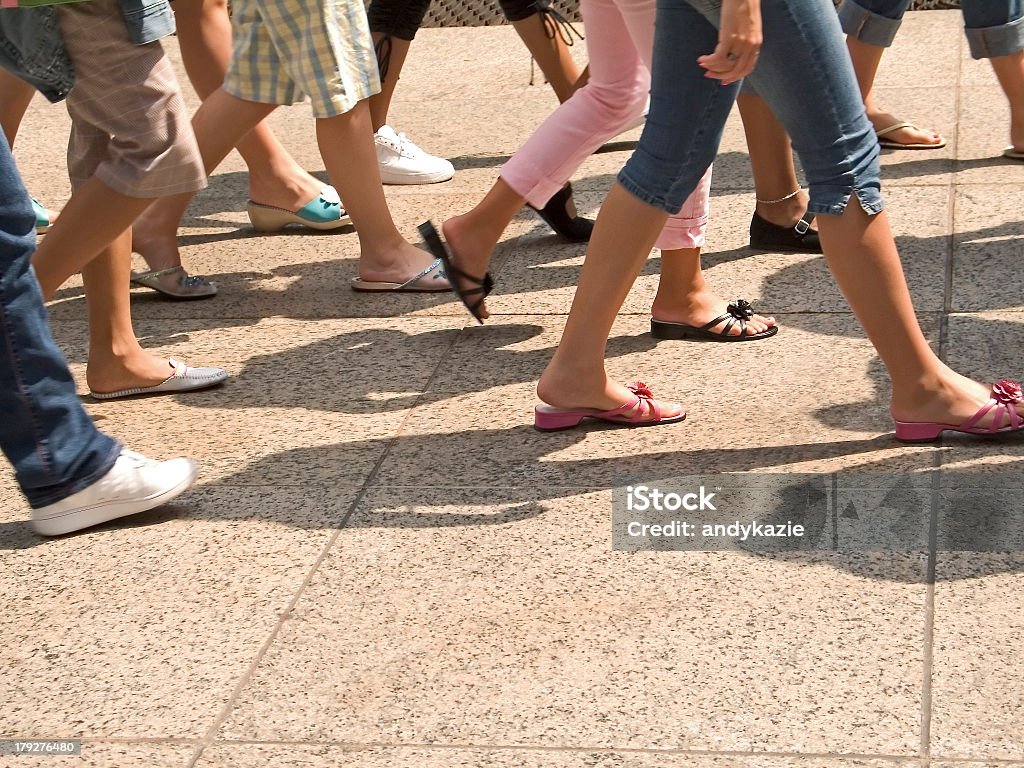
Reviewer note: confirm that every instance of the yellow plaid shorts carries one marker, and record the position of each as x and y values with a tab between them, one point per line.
287	49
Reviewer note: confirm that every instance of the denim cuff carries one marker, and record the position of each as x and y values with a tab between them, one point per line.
989	42
832	200
43	498
638	191
867	26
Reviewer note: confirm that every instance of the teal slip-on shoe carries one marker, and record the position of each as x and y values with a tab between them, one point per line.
322	212
43	221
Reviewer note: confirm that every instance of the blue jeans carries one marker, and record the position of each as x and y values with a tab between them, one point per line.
803	73
54	446
993	27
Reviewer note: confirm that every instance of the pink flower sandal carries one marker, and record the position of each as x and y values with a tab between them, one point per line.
1005	396
641	411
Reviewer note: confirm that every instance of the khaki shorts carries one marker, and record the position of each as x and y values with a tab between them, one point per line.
129	126
287	49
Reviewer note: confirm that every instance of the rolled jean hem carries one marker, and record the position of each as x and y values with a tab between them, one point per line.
867	26
37	500
990	42
833	202
641	194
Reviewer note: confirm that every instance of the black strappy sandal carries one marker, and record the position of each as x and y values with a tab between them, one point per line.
738	312
483	287
575	230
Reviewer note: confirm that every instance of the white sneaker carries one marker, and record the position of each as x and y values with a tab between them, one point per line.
134	484
402	162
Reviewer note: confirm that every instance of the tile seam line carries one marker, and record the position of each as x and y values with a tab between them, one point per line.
188	741
225	711
928	630
895	758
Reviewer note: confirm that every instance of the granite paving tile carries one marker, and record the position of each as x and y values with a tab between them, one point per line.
317	756
141	628
502	618
111	755
978	660
295	384
989	241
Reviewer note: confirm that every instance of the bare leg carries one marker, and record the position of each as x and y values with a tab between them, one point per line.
204	33
771	163
473	235
583	79
864	261
1010	72
346	146
219	124
624	234
15	96
862	256
551	54
866	59
380	103
116	360
92	237
684	297
275	178
92	219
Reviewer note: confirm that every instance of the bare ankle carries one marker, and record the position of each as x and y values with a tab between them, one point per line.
784	213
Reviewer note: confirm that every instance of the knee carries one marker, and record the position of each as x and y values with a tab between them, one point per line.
619	103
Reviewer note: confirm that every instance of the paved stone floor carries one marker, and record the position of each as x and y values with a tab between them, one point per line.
385	565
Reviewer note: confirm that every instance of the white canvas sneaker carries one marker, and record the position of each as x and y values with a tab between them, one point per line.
134	484
402	162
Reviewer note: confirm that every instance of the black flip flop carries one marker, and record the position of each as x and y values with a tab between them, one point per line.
738	312
483	287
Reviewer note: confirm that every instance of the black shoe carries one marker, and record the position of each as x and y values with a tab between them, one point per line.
771	237
556	214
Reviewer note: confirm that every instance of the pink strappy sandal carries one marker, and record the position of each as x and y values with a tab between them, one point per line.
1005	396
641	411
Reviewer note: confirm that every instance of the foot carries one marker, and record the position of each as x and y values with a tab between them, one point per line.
700	307
290	191
134	484
175	283
908	135
949	399
397	263
114	373
471	252
565	387
402	162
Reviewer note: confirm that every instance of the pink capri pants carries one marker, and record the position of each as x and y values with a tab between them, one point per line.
620	40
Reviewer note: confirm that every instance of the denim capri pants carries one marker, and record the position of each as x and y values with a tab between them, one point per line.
993	27
803	73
